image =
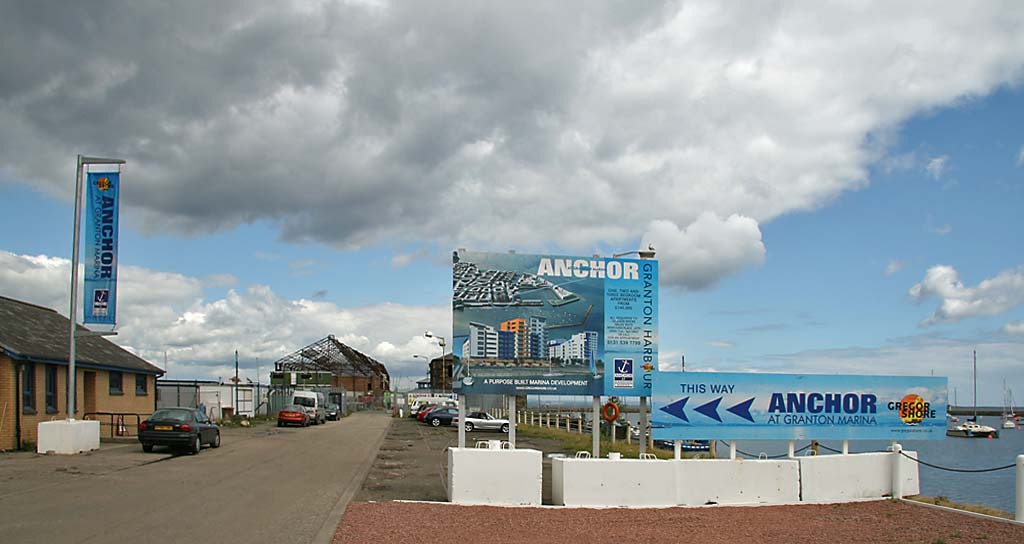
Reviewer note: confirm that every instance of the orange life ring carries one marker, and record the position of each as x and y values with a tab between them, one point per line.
610	412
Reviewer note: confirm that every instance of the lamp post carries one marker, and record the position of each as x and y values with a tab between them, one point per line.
444	369
642	253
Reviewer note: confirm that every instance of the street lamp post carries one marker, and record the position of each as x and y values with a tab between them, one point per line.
642	253
444	370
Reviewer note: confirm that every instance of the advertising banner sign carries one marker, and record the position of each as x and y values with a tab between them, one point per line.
546	324
713	405
101	248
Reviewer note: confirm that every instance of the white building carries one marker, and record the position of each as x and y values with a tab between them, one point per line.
581	346
482	342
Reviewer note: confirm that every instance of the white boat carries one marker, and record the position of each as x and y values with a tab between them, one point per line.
1009	418
971	428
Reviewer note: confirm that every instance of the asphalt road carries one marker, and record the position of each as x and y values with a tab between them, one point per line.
263	484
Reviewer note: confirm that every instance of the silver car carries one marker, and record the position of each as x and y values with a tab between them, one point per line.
484	421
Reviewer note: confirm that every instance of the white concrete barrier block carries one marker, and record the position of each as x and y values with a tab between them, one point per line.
491	476
67	437
839	478
607	482
911	474
741	481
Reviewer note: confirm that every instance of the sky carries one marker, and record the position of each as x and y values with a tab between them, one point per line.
830	187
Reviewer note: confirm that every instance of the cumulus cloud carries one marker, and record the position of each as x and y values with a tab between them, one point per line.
353	123
944	229
937	166
991	297
707	250
401	260
160	312
1016	327
894	266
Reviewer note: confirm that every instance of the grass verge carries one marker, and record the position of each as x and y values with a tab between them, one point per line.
573	442
977	509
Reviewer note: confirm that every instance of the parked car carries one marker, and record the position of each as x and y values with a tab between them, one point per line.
484	422
417	404
424	410
292	414
313	403
333	412
441	416
179	428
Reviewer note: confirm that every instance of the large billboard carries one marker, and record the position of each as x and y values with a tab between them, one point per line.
550	324
721	405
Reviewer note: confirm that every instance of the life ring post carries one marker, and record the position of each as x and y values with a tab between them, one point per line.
610	412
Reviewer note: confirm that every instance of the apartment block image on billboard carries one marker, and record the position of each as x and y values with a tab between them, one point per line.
544	324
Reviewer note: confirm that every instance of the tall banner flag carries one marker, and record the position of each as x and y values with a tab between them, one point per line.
101	240
554	325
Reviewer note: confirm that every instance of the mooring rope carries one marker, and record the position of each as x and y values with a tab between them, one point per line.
925	463
948	469
753	456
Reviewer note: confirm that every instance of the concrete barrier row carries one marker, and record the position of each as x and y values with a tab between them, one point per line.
513	477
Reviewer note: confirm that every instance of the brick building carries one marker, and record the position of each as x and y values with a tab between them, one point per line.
361	377
441	372
34	375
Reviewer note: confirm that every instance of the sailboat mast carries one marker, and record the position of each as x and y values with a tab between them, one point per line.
975	385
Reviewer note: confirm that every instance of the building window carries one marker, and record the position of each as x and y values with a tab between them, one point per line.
115	383
28	388
51	389
140	384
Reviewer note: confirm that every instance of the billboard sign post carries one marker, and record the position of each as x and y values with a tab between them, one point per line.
554	325
754	406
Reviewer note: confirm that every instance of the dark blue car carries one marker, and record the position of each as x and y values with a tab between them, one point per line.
441	417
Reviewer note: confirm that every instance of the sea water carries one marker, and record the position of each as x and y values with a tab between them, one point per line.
992	489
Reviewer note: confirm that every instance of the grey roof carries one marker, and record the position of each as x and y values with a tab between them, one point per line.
35	333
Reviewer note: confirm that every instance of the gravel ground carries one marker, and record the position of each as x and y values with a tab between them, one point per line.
867	522
411	466
412	462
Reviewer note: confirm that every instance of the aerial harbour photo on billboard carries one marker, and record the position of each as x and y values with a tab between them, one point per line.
544	324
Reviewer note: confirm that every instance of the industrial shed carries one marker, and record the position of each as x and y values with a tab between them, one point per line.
329	363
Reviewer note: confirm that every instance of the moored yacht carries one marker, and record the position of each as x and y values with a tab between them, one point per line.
971	429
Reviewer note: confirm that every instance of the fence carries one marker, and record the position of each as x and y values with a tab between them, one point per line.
118	424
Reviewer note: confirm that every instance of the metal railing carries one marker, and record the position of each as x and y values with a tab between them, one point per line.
120	424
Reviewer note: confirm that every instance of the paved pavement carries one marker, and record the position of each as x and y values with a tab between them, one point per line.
263	484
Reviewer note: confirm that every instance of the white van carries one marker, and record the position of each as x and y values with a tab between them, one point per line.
312	402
